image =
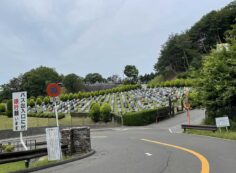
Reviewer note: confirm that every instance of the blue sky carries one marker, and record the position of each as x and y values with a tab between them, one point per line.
83	36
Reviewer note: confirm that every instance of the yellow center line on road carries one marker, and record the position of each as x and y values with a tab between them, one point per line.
205	164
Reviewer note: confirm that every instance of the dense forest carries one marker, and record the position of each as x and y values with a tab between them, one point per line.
185	51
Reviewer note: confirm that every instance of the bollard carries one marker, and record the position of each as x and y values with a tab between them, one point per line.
27	162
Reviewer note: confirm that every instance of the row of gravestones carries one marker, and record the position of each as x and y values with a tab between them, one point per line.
130	101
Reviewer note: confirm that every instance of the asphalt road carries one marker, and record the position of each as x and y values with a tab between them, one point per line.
158	148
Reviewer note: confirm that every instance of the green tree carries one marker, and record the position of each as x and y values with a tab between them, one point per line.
218	81
72	83
35	81
2	107
106	112
9	108
131	72
95	112
14	85
185	50
93	78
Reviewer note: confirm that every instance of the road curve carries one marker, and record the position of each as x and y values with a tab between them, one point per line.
153	149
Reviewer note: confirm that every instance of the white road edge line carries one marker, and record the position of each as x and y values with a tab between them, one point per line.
170	130
148	154
93	137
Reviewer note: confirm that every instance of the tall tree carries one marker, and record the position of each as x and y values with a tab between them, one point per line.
185	50
218	81
93	78
131	72
36	80
14	85
72	83
114	79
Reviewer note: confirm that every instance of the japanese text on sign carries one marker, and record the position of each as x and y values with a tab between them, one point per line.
53	143
19	107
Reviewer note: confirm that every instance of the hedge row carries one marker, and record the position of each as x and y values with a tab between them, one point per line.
141	118
46	115
174	83
80	95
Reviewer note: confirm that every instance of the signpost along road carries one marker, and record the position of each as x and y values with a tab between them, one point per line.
53	143
54	90
53	134
222	122
19	107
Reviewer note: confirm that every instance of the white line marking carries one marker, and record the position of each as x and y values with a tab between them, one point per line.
148	154
121	129
94	137
170	130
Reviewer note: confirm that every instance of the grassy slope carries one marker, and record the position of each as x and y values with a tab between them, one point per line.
223	134
6	123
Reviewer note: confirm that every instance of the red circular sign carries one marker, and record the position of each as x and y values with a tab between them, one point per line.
53	90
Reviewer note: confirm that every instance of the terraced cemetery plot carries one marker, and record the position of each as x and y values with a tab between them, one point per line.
134	100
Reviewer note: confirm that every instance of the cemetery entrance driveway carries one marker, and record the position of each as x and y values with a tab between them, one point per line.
155	149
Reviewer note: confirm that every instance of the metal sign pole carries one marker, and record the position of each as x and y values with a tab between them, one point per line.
55	105
59	135
22	141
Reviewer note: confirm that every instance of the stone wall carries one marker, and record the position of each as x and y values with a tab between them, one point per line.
77	139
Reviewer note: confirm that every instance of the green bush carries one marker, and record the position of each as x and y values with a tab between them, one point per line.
2	107
106	112
194	99
141	118
94	112
8	148
46	100
9	108
31	103
71	96
39	101
46	115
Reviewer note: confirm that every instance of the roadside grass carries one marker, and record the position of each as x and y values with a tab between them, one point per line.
223	134
6	122
10	167
15	166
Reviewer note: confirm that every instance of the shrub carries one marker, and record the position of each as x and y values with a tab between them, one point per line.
39	101
94	112
194	99
2	107
31	103
71	96
46	100
46	115
106	112
140	118
9	108
8	148
66	97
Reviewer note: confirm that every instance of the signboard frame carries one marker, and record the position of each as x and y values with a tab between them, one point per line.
53	143
222	121
19	111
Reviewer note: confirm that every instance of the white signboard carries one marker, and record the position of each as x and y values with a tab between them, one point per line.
19	109
53	143
222	122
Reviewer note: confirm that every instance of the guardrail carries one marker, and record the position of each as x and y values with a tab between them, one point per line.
199	127
25	155
163	113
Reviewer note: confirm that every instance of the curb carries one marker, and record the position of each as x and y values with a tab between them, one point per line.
56	164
